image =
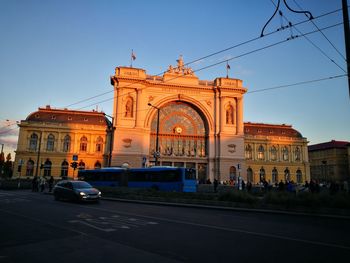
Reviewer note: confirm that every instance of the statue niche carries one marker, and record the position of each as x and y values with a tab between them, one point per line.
129	105
229	114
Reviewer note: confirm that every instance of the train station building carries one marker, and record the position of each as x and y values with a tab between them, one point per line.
174	119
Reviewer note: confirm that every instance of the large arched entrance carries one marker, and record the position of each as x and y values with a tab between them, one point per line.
182	139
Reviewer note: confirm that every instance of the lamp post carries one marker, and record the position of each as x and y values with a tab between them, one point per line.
157	153
111	141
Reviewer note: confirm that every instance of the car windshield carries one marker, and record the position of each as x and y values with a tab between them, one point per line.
80	185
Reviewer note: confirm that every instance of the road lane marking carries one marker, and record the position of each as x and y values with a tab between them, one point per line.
236	230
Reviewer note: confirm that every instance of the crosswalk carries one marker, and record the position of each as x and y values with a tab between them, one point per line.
12	197
111	223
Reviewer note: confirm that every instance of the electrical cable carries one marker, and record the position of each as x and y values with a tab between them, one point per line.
210	55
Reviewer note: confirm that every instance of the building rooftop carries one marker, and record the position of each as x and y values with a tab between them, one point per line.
271	130
49	114
333	144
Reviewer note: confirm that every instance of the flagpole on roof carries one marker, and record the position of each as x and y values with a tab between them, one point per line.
132	57
227	68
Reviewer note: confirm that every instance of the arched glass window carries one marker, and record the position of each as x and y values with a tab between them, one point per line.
66	143
97	165
262	174
182	131
273	152
261	153
83	144
50	143
30	168
285	153
297	154
47	168
33	142
250	175
299	176
274	175
248	152
64	169
99	144
287	175
81	165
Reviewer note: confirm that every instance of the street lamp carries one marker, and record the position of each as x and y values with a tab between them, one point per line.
111	141
157	153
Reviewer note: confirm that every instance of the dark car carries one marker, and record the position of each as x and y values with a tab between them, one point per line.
75	191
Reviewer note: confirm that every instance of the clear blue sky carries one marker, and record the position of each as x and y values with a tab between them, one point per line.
61	52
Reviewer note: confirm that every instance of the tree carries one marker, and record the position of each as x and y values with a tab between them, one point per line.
7	169
2	163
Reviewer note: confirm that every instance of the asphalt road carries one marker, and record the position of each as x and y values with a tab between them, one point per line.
35	228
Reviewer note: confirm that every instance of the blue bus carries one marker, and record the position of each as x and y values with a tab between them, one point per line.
177	179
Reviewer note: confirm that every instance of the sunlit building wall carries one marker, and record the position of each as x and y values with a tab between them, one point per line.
51	139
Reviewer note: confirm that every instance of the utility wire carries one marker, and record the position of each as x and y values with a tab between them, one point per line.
223	61
323	34
297	83
312	43
212	54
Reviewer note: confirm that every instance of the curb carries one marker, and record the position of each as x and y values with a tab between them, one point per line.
226	208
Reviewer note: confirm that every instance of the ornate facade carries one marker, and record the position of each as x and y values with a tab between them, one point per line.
172	120
200	122
49	139
275	153
179	120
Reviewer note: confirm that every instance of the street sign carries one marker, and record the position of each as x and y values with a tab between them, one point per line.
75	157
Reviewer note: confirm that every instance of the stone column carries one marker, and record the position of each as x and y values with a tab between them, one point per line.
240	116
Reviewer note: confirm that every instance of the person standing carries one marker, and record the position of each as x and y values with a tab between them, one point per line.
42	184
216	182
51	181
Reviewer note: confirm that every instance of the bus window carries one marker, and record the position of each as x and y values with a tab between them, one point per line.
190	174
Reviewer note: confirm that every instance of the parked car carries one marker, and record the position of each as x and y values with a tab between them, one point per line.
75	191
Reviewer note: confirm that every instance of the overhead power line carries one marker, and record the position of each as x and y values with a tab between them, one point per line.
223	61
309	40
324	35
210	55
298	83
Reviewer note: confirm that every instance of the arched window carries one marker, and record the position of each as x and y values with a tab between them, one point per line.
66	143
297	153
285	153
250	175
287	175
47	168
30	168
248	152
33	142
261	153
83	144
262	174
233	173
81	165
274	175
50	143
273	152
99	144
129	107
64	169
299	177
229	114
97	165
